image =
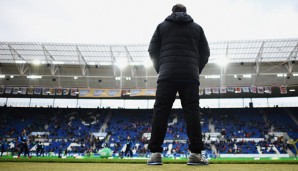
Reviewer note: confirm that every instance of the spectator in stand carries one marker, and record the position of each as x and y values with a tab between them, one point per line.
3	144
60	151
13	146
128	148
42	150
23	144
38	149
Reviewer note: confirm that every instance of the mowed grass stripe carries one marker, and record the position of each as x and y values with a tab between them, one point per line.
32	166
143	161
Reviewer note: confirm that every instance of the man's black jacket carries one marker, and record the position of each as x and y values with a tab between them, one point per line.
179	49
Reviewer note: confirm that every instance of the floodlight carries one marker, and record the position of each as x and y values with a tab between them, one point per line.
36	62
222	61
281	75
247	76
58	62
121	63
105	63
11	76
135	63
2	76
75	77
20	62
34	76
212	76
148	63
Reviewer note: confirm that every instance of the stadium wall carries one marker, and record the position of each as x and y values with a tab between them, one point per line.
146	103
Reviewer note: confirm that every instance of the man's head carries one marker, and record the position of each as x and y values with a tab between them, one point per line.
179	8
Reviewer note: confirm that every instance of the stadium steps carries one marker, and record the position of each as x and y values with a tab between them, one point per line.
175	121
214	150
105	124
291	154
107	139
68	146
211	126
275	149
123	148
259	150
265	116
292	116
170	147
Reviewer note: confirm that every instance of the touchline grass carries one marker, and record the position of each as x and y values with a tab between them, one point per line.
143	161
33	166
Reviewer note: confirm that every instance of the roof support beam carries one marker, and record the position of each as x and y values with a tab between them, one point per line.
1	85
128	55
21	63
223	70
54	68
292	57
259	58
132	71
258	62
83	64
113	61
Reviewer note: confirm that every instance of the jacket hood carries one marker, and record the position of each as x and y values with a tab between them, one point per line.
179	17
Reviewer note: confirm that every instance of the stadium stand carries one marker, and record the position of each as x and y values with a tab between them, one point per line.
77	131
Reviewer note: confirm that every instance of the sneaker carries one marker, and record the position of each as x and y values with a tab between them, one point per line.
155	159
197	159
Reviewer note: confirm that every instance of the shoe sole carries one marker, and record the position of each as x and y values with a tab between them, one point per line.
197	164
156	163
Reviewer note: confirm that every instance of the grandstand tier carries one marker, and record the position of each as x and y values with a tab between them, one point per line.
63	131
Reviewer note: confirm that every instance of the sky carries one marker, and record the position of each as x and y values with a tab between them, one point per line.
134	21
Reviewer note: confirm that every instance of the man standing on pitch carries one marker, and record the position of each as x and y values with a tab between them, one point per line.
179	51
23	146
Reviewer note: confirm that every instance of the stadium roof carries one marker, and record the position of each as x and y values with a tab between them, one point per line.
275	50
125	66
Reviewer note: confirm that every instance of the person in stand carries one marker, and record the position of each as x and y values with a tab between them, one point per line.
60	151
128	148
42	150
3	144
23	145
179	51
65	152
38	149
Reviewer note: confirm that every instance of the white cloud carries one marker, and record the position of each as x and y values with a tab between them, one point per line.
133	21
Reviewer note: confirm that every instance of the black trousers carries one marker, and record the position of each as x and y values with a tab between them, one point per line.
165	97
2	151
24	148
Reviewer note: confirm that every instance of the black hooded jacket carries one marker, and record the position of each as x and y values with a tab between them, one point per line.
179	49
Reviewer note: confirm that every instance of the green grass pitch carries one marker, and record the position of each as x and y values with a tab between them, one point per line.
98	164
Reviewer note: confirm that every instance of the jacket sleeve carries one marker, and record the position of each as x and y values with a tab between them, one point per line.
154	49
204	51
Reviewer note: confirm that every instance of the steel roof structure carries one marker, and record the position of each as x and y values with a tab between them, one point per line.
275	50
250	63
